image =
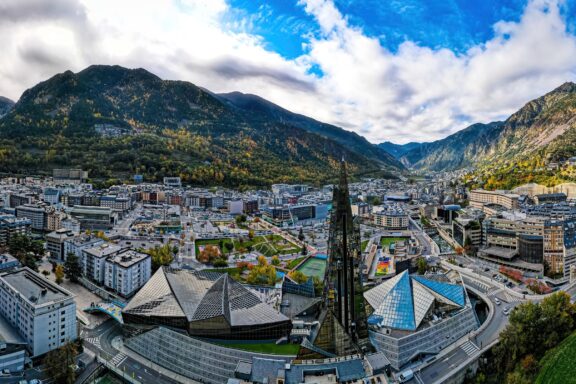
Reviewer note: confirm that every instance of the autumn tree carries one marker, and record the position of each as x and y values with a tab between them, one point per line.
59	272
298	276
209	254
161	255
262	273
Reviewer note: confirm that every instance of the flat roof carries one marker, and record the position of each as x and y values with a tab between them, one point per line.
103	250
35	288
128	258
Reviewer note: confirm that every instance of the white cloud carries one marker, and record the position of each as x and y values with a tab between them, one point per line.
416	93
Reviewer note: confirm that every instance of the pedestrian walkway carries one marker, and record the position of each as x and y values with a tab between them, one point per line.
505	296
469	348
94	341
118	359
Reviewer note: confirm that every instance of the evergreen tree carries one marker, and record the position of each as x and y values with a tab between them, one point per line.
72	268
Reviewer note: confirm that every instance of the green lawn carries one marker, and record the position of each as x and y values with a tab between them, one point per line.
267	245
386	241
271	348
364	244
558	364
293	263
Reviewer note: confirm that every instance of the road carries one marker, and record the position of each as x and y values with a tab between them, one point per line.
475	345
99	341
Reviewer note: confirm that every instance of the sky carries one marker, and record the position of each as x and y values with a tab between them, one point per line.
393	70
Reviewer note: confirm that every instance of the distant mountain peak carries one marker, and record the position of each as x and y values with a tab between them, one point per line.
567	87
5	105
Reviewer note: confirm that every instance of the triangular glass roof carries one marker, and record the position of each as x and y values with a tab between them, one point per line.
423	300
452	292
397	308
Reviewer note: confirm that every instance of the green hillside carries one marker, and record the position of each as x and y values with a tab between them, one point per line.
116	122
558	366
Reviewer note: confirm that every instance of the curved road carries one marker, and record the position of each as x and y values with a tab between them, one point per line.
99	341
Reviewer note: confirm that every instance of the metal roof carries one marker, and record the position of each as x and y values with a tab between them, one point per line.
201	295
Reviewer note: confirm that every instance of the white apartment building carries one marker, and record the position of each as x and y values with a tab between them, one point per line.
127	271
480	197
78	244
391	217
43	313
94	260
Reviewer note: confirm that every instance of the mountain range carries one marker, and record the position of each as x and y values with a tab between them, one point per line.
508	152
116	122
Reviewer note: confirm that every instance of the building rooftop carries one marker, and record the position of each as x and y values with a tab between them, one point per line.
103	250
128	258
200	295
34	288
404	301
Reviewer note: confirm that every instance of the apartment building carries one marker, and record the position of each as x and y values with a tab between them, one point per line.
11	225
392	217
480	197
55	244
42	312
116	203
94	260
127	271
35	213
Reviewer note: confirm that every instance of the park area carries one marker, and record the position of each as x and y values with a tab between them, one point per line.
268	245
314	267
558	364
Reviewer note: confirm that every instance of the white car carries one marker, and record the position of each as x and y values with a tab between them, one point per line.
497	301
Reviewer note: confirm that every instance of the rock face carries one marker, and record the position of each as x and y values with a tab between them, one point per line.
115	122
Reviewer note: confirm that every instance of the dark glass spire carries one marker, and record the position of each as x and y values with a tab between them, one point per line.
343	278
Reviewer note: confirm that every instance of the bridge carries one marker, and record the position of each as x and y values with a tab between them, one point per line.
112	309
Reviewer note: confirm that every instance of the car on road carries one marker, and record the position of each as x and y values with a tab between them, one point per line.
506	311
406	376
5	372
497	301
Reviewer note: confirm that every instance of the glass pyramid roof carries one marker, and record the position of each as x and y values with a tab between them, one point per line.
397	307
453	292
403	301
